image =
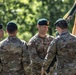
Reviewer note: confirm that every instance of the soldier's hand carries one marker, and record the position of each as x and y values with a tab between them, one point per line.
42	71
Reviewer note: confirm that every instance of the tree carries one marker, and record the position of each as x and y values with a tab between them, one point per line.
26	13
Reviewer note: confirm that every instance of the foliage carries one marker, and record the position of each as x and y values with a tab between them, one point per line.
26	13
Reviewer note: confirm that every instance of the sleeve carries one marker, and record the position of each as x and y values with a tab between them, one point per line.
51	52
26	59
33	54
0	63
1	49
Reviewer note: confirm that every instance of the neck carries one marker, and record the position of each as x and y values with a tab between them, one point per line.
12	35
41	35
64	30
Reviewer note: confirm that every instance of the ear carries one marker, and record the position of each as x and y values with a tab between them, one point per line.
16	31
37	26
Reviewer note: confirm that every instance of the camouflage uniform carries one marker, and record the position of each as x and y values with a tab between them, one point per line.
14	57
64	48
1	36
38	49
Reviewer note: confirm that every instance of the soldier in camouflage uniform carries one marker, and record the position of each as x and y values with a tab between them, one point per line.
14	56
1	36
38	45
1	32
64	48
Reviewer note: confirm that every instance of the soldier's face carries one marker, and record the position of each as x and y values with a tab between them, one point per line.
1	33
43	29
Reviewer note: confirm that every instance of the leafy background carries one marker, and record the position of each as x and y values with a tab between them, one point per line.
27	12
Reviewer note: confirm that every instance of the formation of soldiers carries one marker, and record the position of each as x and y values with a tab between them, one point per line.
42	55
36	57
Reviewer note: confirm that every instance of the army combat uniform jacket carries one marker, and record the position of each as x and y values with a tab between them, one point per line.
14	57
64	48
38	48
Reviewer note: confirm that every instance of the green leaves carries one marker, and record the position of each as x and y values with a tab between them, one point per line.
26	13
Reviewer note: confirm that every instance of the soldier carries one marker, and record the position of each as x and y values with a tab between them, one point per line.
14	56
38	45
1	32
1	36
63	47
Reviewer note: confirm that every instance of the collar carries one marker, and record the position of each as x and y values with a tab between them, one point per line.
64	32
